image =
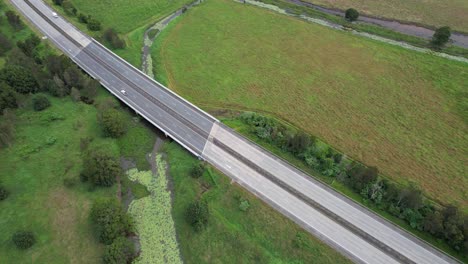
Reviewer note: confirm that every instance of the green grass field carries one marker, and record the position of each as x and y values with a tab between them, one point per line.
259	235
125	16
392	108
33	170
451	13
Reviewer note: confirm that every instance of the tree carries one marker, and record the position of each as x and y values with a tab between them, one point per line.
73	77
101	168
121	251
19	78
58	2
110	221
410	197
75	94
4	193
29	45
8	97
434	223
114	123
94	25
299	142
57	65
23	239
197	170
5	44
14	20
351	14
441	37
197	215
360	176
40	102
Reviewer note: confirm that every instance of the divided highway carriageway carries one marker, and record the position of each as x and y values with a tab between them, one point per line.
348	227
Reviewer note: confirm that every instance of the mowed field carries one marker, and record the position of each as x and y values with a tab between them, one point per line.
453	13
392	108
125	16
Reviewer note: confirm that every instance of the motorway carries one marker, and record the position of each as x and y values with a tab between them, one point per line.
351	229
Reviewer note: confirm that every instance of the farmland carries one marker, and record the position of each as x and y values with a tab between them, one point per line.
385	106
430	12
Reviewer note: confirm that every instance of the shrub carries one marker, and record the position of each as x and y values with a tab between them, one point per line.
14	20
19	78
23	239
121	251
101	168
40	102
110	221
244	205
4	193
197	215
351	14
58	2
29	45
197	171
5	44
94	25
441	37
7	97
113	123
83	18
111	36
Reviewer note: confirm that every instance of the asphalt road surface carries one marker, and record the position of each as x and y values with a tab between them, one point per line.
351	229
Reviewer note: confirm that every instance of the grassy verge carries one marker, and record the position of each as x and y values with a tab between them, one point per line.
258	235
388	107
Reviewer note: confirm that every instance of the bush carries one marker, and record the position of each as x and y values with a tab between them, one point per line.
244	205
5	44
14	20
351	14
113	123
4	193
40	102
101	168
110	221
121	251
19	78
441	37
29	45
23	239
111	36
7	97
197	215
197	171
58	2
94	25
83	18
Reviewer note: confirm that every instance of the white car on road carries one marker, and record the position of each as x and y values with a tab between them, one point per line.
54	15
123	92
